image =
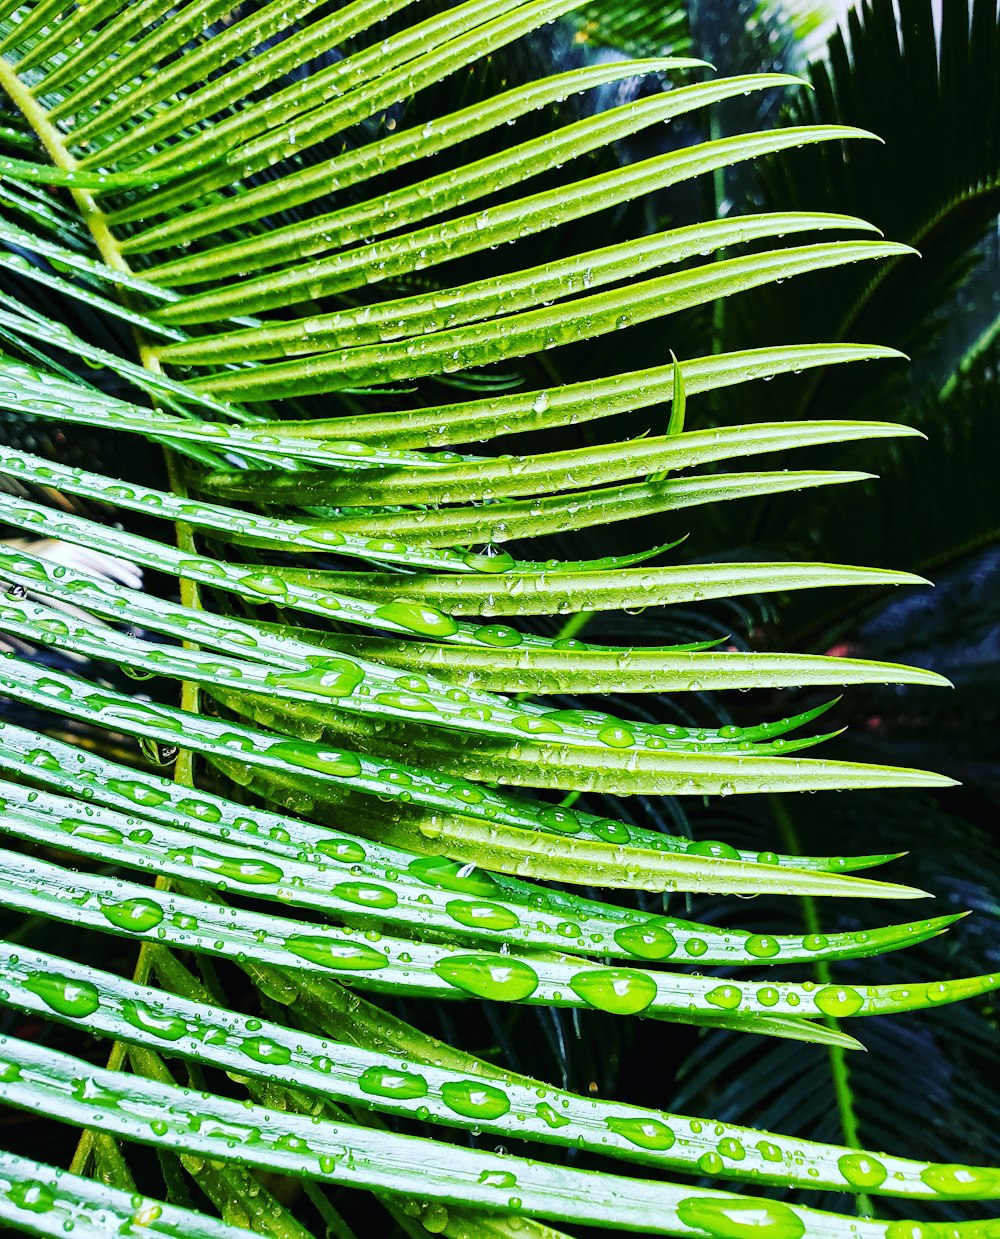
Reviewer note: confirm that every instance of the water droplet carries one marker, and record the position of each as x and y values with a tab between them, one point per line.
434	1219
550	1116
146	1213
263	1050
731	1148
366	894
839	1000
616	737
727	1219
406	701
416	618
762	946
650	941
646	1133
489	976
618	990
148	1020
338	680
345	850
136	915
497	1178
728	997
610	831
860	1170
333	762
33	1196
535	726
562	820
330	953
714	848
482	915
76	999
452	875
474	1100
200	809
251	872
499	635
386	1082
953	1180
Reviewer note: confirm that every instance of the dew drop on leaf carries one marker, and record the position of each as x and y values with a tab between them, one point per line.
839	1000
330	953
953	1180
762	946
137	915
727	997
76	999
861	1171
649	941
387	1082
489	976
475	1100
147	1020
645	1133
757	1219
617	990
32	1196
482	915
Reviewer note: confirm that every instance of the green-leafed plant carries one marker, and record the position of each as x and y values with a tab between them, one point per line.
339	272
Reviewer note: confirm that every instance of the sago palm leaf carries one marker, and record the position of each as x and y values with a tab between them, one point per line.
302	280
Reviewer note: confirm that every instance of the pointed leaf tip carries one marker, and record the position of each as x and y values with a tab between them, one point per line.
897	249
854	131
944	923
901	891
929	778
930	679
947	919
909	578
881	352
789	79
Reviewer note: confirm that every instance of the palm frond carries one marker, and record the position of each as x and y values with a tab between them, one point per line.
372	792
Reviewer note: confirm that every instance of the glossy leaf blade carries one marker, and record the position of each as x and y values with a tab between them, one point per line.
57	989
43	1200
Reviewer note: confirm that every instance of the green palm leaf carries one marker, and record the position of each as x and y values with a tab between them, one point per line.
349	722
